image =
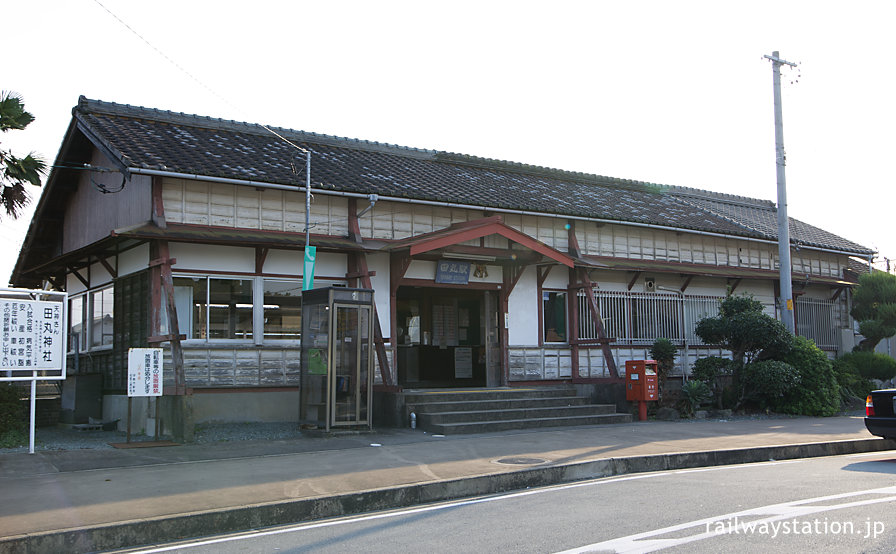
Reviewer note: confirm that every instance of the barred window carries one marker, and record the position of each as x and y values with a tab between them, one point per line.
640	318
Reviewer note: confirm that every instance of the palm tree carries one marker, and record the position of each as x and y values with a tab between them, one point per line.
16	172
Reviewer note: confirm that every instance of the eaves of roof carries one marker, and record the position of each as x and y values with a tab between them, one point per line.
150	139
203	234
705	270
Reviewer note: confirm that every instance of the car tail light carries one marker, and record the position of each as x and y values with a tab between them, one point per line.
869	406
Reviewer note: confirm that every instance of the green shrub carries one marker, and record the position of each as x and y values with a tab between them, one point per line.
13	438
818	393
693	394
710	370
870	365
12	416
852	385
767	382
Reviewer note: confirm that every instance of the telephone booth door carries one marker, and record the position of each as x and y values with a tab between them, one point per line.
337	358
350	383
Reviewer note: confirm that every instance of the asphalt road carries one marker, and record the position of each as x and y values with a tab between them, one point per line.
842	504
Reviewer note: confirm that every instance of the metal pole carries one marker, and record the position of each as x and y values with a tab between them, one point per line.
307	198
33	412
784	269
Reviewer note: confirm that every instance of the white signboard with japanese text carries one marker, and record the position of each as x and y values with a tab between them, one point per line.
32	337
145	372
33	340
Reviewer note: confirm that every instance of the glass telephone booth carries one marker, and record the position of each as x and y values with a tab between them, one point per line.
337	358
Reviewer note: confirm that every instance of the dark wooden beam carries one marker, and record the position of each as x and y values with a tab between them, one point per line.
158	206
112	271
354	225
360	274
598	324
84	281
572	308
512	274
733	283
162	263
634	278
56	282
572	241
686	284
261	255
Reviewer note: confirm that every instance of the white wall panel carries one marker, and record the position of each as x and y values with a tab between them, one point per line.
203	257
133	260
523	307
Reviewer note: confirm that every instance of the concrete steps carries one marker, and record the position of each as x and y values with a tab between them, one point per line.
489	410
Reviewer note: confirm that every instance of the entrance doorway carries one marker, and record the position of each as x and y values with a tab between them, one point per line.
446	337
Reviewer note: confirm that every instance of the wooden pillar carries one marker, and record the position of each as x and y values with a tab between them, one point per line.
511	276
161	279
398	266
160	267
572	297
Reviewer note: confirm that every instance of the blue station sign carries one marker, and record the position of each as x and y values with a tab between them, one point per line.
452	272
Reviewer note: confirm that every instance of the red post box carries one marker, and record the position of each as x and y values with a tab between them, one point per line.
641	384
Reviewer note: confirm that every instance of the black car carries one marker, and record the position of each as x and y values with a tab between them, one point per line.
880	413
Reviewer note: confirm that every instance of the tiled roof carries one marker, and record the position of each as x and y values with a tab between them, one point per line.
189	144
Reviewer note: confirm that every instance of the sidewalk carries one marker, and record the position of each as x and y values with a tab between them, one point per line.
83	500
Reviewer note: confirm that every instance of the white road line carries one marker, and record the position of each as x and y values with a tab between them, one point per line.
444	506
711	527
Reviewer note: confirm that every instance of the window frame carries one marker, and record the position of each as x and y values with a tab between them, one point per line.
91	304
545	293
258	315
83	339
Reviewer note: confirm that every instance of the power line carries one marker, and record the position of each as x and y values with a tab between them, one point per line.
194	78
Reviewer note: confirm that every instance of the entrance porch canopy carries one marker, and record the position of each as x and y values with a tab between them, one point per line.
451	239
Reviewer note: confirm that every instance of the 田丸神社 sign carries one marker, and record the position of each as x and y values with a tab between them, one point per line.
32	336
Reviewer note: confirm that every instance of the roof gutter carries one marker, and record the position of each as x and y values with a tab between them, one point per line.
250	183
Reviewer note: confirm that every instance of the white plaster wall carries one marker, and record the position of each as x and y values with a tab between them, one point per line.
133	260
73	285
204	257
421	269
330	266
99	276
380	284
284	262
558	278
523	307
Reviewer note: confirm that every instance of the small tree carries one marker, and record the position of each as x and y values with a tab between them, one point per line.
743	328
874	307
16	172
663	351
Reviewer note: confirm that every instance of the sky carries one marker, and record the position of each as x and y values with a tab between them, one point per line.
675	93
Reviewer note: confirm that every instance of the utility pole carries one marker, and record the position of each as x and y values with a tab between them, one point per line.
310	251
786	300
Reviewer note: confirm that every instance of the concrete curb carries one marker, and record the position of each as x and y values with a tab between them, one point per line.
148	531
